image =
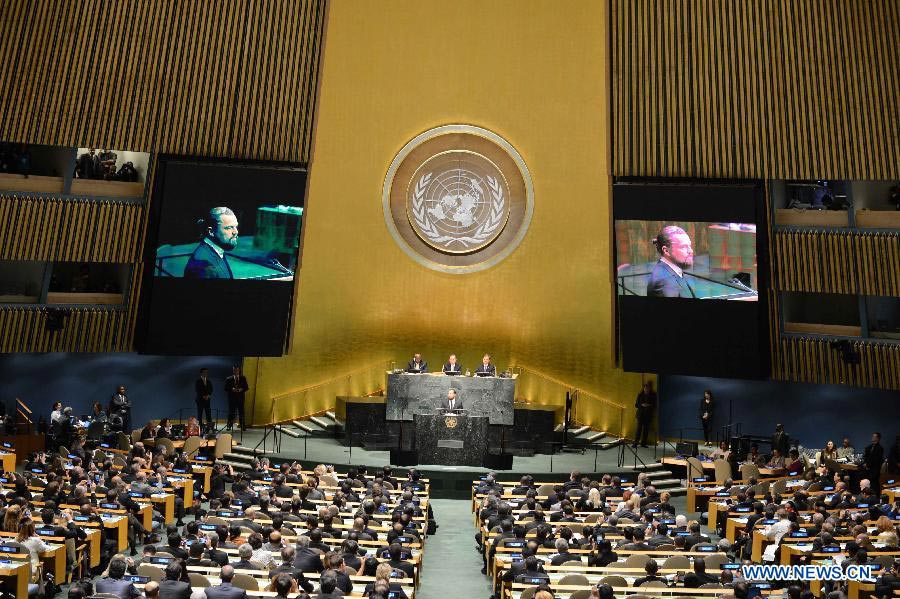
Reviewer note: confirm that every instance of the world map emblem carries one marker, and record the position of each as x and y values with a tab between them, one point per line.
458	198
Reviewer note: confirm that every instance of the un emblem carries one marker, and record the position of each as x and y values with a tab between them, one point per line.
458	198
450	421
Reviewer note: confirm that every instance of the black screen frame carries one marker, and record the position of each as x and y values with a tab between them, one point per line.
272	334
716	338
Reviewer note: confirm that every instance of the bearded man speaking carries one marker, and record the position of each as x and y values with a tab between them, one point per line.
220	235
675	256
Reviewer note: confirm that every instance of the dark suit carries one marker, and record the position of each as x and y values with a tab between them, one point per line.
452	369
235	387
308	561
174	589
873	458
120	405
489	370
457	404
225	591
644	406
709	409
663	282
416	368
204	399
205	263
124	589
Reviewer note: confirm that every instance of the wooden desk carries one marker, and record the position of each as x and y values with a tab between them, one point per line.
16	576
9	461
165	503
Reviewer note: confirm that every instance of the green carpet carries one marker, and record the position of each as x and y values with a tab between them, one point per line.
452	567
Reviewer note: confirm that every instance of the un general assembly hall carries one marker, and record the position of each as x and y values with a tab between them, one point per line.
450	299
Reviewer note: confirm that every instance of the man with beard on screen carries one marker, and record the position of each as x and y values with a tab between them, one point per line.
221	234
675	256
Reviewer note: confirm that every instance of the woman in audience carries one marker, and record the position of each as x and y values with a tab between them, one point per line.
12	518
29	539
592	503
56	413
98	414
722	452
776	461
383	575
193	428
164	430
829	452
147	432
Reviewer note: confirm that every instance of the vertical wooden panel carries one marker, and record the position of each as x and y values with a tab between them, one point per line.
786	89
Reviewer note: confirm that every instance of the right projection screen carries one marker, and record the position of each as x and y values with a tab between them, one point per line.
691	277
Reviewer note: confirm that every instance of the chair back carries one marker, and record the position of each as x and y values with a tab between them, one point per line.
198	580
96	430
694	468
591	518
581	594
192	446
528	593
637	560
723	470
63	450
166	446
124	441
223	445
245	581
574	580
545	489
614	581
152	572
714	561
749	471
653	584
779	486
136	435
677	562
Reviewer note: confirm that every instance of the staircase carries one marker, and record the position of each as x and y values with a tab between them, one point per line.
663	479
589	438
326	425
240	457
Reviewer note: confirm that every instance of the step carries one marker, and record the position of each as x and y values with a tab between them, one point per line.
594	437
288	431
320	422
559	428
305	426
607	444
579	431
251	451
650	466
239	457
677	491
241	466
666	482
655	474
332	419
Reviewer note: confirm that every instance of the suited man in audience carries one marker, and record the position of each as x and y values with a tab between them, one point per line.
204	388
220	234
172	587
873	458
452	367
114	585
675	256
225	590
452	402
486	368
417	365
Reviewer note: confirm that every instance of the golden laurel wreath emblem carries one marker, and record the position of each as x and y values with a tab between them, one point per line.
484	232
450	421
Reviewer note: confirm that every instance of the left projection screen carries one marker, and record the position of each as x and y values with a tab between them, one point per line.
222	257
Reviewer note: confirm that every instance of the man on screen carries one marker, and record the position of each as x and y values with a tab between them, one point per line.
675	256
452	402
220	233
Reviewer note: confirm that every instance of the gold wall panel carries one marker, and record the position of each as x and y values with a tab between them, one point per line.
813	360
534	72
784	89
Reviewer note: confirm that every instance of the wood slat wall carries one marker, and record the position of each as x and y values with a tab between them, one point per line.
45	228
837	262
231	79
782	89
